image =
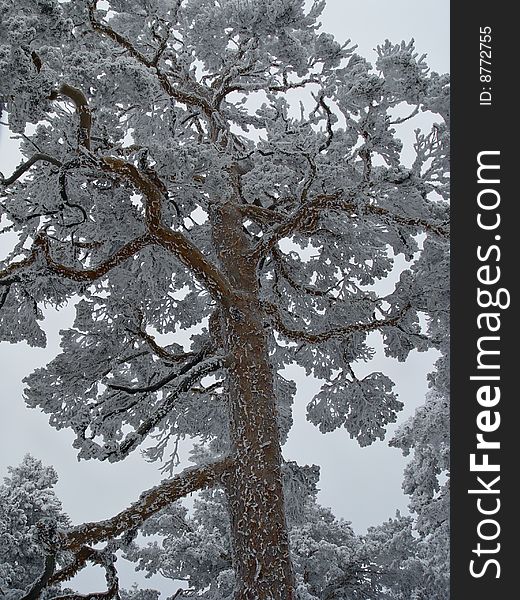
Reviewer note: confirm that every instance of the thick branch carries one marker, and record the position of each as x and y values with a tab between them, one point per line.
123	254
20	264
150	502
286	273
41	247
336	332
295	222
175	242
261	215
305	219
83	110
43	581
76	540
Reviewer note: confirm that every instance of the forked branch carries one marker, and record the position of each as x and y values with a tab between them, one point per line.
78	539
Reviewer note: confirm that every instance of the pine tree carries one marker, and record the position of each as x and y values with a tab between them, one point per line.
171	184
27	503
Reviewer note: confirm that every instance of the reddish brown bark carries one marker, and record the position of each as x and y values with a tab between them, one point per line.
260	542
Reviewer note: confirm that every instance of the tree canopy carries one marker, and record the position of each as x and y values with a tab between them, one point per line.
220	188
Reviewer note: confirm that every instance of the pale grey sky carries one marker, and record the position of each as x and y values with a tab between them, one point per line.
362	485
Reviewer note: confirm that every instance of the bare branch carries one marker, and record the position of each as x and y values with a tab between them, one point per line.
19	265
438	229
328	114
76	540
285	271
400	120
24	167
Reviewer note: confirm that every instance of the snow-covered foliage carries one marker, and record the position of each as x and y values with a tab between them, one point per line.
330	561
27	500
221	188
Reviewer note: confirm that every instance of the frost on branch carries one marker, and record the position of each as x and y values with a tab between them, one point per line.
364	407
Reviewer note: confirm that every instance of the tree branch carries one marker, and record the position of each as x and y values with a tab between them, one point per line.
82	108
261	215
190	99
286	274
185	381
323	336
76	540
123	254
98	557
173	241
43	581
305	219
160	351
150	502
438	229
24	167
41	247
293	223
197	359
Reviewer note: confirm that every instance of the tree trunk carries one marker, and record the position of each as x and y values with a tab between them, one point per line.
260	542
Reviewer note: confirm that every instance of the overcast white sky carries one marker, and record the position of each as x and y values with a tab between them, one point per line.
361	485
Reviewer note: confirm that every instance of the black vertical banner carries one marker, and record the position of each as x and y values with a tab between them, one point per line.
485	437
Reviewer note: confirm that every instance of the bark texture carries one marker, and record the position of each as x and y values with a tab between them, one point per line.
260	541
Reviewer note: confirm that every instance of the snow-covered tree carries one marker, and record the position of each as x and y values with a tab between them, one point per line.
27	504
172	183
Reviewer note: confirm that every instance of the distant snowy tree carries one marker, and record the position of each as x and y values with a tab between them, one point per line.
173	184
27	502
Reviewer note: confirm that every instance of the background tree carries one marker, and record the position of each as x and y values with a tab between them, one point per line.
27	502
171	185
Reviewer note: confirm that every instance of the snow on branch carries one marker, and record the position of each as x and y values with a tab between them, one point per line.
198	99
323	336
186	377
175	242
150	502
305	219
76	540
185	369
41	248
82	108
